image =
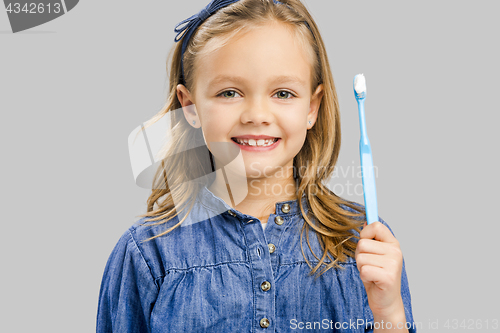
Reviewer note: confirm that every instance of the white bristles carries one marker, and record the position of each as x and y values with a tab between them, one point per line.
360	83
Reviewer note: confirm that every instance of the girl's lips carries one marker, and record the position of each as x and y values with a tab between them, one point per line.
258	149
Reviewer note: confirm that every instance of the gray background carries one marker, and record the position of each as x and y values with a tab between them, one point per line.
73	89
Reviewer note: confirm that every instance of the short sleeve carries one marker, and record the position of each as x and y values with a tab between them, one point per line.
128	290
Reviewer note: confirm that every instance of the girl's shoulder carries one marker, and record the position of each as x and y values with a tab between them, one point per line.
167	244
134	251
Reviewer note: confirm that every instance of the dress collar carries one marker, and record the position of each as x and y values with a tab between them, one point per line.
216	204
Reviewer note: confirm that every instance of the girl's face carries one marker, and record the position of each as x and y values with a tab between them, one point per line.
259	84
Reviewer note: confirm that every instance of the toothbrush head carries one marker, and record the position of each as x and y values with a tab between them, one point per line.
360	86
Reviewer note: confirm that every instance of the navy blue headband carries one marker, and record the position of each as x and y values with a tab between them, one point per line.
192	23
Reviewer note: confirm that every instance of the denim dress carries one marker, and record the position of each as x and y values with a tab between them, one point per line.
220	271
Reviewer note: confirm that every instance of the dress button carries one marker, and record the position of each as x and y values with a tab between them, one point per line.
279	220
231	213
285	208
265	286
271	247
264	323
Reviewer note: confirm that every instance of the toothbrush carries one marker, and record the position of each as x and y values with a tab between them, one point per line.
365	153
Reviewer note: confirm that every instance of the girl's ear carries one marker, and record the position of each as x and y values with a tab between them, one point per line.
314	105
188	107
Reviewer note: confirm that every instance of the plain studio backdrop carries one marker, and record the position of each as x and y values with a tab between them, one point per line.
74	88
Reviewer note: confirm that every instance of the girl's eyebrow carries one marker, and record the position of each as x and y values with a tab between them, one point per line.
275	80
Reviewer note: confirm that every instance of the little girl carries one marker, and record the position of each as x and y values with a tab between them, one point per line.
214	253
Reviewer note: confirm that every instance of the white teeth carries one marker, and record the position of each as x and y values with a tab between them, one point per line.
258	143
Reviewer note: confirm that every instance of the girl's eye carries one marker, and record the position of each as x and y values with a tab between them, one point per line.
228	93
283	94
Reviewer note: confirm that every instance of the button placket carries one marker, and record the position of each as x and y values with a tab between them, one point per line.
262	270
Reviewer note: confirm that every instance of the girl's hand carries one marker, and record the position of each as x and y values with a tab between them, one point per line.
380	261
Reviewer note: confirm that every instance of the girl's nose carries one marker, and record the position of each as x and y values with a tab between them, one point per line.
257	112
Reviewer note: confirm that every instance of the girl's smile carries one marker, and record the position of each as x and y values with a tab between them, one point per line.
259	146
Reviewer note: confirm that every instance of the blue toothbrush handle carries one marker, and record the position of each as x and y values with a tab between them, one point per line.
368	176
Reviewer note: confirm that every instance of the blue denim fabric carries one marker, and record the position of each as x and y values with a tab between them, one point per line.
207	277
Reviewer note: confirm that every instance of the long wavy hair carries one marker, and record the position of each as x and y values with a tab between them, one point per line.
333	224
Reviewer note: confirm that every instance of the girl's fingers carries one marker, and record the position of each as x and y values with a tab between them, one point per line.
391	264
378	231
381	277
371	259
372	252
372	246
368	273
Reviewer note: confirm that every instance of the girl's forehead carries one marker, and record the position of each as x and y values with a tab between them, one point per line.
268	53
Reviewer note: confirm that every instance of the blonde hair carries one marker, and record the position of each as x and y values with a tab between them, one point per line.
318	156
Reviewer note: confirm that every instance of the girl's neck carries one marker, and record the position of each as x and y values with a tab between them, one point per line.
262	195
